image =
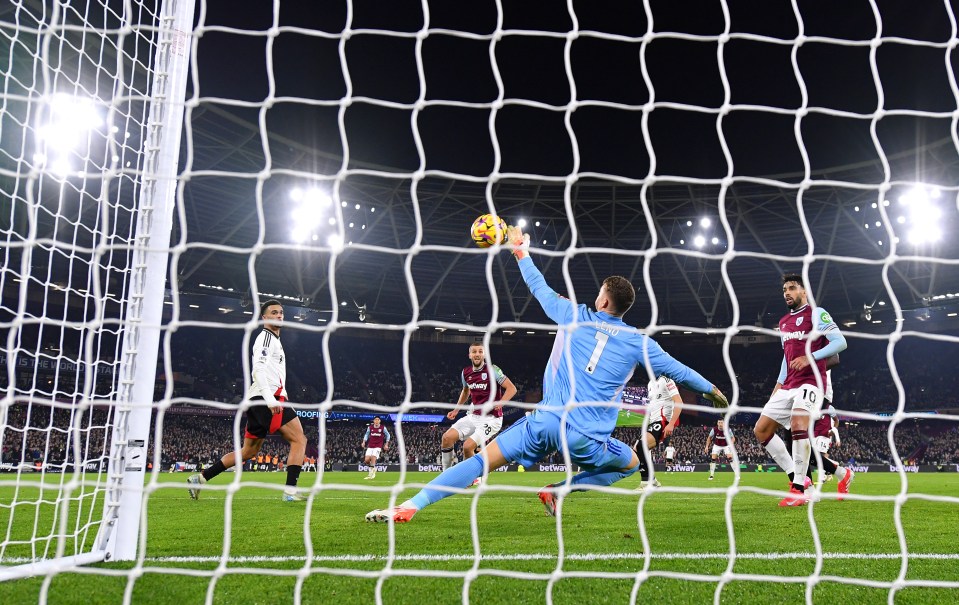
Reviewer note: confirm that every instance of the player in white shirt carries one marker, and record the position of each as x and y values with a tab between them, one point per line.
670	454
271	416
662	415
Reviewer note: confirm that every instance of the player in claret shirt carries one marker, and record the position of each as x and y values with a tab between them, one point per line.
375	440
722	440
798	393
593	357
486	388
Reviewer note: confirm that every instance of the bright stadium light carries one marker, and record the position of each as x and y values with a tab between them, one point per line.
60	167
70	121
335	242
299	234
689	223
715	240
699	241
521	223
705	222
307	216
296	194
924	216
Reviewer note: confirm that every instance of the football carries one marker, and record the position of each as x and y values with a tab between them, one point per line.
488	230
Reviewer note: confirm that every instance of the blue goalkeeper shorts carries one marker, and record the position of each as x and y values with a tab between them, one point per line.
539	434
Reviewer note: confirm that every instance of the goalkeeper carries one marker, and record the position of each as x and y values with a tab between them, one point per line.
593	356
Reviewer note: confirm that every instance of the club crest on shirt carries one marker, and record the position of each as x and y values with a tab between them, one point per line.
485	377
799	321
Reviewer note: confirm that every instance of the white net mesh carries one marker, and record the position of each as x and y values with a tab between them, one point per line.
384	131
73	118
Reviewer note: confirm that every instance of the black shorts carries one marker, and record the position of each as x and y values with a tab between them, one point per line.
655	428
260	421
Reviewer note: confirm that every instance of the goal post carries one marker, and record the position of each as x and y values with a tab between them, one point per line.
151	251
100	137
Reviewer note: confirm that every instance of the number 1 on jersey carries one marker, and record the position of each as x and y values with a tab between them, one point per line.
601	339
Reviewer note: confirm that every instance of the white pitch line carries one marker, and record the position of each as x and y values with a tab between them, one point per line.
538	557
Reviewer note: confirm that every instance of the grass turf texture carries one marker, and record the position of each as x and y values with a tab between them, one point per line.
600	534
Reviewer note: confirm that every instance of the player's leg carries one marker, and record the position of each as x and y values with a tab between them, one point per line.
712	463
776	413
604	464
292	432
483	434
469	448
251	446
460	430
652	437
371	462
804	404
522	445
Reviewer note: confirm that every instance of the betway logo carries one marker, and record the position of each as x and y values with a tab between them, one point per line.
682	468
380	468
859	468
483	386
909	468
793	335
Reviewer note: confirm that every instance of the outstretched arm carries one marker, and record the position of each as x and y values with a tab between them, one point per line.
661	362
558	309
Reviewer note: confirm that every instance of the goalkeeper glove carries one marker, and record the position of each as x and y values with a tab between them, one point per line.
518	242
717	398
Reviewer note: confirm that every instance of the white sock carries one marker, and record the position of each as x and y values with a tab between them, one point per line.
840	473
712	469
447	459
777	449
373	470
801	452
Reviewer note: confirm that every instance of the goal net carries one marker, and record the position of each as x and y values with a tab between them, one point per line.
333	158
91	109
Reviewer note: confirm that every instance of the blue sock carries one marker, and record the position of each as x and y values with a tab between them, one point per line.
461	475
599	477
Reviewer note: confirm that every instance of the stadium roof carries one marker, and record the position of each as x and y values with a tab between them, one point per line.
610	184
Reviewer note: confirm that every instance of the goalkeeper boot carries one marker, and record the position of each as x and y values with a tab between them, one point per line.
795	498
397	514
195	480
476	482
655	482
843	486
548	499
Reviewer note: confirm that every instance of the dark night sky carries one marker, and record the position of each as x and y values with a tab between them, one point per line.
610	140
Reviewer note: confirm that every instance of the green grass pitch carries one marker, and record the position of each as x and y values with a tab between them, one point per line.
600	533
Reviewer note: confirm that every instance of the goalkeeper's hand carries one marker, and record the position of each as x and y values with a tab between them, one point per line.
518	242
717	398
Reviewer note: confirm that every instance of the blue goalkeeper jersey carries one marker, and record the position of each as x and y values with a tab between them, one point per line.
602	354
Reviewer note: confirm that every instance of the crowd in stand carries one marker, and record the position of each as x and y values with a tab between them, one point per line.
30	434
206	365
